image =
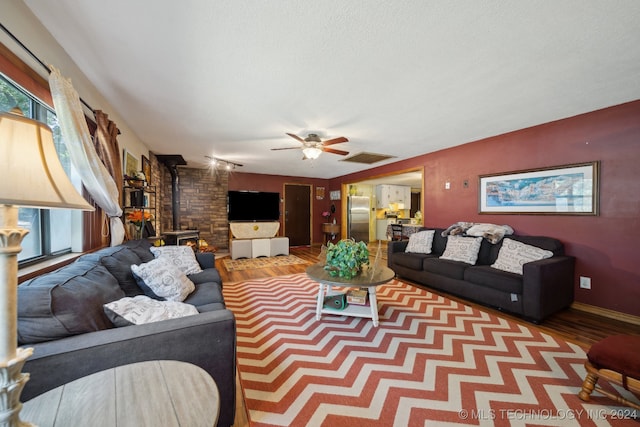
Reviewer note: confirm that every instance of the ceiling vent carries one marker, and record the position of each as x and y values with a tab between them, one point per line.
367	158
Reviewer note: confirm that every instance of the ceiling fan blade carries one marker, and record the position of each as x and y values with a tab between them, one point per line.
296	137
334	151
286	148
335	141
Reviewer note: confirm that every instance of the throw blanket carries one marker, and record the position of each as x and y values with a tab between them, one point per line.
492	232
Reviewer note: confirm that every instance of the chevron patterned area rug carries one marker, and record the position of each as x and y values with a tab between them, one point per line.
432	361
262	262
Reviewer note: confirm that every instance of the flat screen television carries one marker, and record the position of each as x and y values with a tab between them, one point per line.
253	206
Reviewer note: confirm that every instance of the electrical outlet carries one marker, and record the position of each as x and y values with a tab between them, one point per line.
447	185
585	282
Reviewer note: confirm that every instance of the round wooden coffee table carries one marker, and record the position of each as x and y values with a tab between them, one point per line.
156	393
365	280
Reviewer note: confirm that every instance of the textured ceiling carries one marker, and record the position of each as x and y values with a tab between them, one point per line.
228	78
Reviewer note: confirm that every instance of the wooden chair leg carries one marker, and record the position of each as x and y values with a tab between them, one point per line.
588	386
618	398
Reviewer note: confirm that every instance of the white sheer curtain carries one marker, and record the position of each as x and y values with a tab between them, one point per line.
75	134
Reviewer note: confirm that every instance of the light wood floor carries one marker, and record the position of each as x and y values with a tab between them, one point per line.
572	325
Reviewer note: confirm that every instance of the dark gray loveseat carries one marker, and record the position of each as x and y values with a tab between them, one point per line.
545	287
60	315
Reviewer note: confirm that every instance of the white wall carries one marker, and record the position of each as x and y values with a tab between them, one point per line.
19	20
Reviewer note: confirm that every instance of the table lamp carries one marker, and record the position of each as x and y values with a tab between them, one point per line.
30	176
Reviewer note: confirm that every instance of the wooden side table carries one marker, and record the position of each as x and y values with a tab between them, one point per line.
164	393
330	230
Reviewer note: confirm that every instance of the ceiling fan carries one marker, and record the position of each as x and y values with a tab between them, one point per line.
313	146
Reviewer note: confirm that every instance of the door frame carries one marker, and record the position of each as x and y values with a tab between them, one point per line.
345	192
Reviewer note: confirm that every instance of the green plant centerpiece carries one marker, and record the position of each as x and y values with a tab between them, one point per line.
346	258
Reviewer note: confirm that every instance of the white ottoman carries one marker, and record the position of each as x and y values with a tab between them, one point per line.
279	246
260	247
240	248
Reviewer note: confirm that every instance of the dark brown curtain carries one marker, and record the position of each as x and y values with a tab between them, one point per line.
106	145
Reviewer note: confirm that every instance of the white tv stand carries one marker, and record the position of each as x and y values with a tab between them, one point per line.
256	239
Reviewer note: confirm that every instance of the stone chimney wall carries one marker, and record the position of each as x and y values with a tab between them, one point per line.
203	203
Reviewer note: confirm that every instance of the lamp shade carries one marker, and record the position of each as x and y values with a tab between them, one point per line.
311	152
31	174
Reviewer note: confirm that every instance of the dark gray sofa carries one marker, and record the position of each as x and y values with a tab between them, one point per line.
545	287
61	316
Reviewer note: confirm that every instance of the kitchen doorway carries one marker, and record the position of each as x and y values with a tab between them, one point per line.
413	177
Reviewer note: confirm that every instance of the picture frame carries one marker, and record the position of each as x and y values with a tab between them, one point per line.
559	190
146	168
148	230
130	163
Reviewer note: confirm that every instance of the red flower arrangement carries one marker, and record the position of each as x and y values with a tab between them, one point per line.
138	217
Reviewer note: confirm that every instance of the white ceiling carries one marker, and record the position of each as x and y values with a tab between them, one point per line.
228	78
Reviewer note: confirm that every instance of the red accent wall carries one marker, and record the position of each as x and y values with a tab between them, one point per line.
607	247
275	183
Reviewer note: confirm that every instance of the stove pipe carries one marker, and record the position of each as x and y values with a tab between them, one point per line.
172	162
175	196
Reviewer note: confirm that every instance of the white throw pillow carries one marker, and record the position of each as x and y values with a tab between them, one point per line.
142	309
513	255
420	242
164	279
180	256
463	249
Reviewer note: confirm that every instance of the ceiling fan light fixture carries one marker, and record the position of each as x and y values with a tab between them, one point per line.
311	152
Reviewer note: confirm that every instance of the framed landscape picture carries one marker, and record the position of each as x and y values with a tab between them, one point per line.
146	168
568	190
130	164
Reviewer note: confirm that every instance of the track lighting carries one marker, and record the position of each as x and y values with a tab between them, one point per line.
214	162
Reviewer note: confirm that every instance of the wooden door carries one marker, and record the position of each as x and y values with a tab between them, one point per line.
297	214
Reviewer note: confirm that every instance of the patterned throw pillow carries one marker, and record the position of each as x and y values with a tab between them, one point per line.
164	279
142	309
420	242
464	249
513	255
180	256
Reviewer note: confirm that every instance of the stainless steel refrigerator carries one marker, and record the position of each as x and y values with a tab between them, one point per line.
359	211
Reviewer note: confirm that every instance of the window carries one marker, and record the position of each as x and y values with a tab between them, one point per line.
51	231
